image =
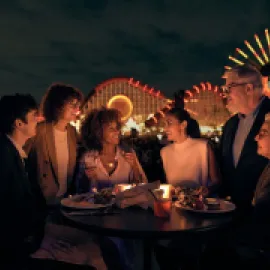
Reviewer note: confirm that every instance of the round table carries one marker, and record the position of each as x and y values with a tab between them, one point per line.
136	223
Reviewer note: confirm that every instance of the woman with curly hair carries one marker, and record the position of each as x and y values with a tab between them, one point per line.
105	162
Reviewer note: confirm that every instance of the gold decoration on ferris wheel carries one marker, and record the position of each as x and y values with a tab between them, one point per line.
123	104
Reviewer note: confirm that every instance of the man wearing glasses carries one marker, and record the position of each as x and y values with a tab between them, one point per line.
240	164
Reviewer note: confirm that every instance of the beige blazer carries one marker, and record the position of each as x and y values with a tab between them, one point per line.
43	162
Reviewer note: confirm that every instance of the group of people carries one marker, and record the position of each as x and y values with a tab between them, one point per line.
41	163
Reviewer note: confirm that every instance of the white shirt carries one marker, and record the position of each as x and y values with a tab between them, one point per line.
62	157
186	163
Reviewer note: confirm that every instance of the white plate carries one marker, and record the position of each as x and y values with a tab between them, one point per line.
68	202
225	207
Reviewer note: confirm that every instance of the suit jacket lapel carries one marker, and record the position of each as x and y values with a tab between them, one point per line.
50	141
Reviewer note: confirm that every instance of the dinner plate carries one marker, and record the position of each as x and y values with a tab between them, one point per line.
75	204
225	207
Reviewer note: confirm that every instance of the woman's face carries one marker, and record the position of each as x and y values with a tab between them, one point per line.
70	110
263	140
111	133
173	128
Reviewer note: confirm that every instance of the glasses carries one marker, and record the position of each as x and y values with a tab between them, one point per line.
226	89
74	104
262	134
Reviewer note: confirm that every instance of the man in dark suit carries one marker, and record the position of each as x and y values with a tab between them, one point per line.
241	166
23	207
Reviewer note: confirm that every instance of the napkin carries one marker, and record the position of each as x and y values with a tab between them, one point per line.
138	195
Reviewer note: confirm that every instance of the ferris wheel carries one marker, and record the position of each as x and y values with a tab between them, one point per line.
258	56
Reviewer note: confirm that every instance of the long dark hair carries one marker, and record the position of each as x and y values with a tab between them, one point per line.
193	128
92	127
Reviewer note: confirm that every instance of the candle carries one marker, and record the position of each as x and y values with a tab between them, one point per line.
166	190
123	187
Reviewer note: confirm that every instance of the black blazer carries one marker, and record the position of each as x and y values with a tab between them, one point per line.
239	182
23	209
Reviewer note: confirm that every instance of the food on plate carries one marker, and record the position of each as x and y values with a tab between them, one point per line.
196	198
212	203
103	196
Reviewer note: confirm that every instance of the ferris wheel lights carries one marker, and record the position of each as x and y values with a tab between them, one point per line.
196	88
242	53
209	87
254	52
261	47
130	81
267	39
203	86
189	93
236	60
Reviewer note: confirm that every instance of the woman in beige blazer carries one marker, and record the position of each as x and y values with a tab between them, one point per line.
52	152
52	158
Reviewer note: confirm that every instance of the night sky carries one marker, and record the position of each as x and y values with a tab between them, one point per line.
168	45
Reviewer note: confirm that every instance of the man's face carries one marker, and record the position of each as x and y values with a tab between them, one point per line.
28	128
263	140
237	99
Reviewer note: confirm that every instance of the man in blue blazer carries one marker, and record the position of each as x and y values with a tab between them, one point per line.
241	166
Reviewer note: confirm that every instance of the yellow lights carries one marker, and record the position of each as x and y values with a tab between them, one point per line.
261	47
254	52
123	104
267	39
259	57
236	60
242	53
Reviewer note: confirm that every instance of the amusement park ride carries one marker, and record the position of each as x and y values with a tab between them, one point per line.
258	57
143	108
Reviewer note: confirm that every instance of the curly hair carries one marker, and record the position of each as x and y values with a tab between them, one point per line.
92	127
55	98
